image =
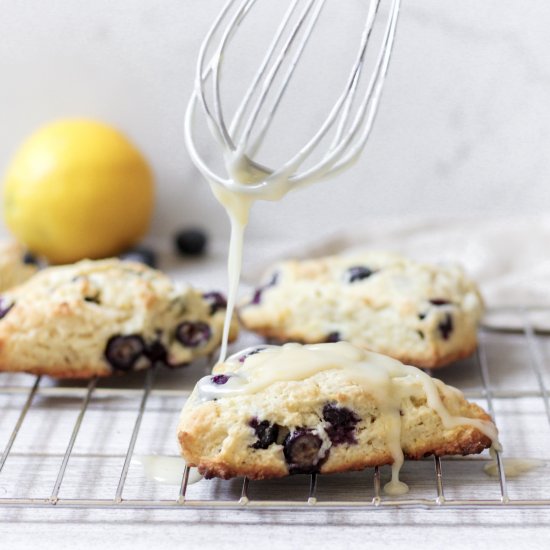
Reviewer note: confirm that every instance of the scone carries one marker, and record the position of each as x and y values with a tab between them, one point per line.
95	318
13	269
421	314
278	410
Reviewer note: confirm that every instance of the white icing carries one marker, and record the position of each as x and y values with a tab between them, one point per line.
167	470
388	380
513	467
249	182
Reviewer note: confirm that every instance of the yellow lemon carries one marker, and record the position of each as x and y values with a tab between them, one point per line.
78	189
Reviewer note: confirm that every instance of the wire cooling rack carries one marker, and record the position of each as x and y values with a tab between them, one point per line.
74	446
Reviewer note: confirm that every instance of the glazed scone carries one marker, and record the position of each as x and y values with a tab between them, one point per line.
13	269
421	314
277	410
95	318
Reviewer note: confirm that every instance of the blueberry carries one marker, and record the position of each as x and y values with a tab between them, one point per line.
140	254
266	433
191	242
342	422
30	259
216	300
193	333
301	450
122	352
257	297
358	273
5	307
246	355
333	337
439	302
156	353
219	379
446	326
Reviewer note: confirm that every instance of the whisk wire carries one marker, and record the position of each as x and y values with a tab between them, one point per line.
347	95
216	67
364	117
202	73
268	82
356	72
351	116
374	99
245	102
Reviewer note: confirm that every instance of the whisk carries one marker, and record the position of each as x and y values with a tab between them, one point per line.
345	129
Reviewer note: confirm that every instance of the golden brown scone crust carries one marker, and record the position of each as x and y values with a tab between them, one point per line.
218	437
420	314
59	322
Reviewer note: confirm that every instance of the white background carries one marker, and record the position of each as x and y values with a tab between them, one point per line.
464	124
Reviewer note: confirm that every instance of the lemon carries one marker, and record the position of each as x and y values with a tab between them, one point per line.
78	189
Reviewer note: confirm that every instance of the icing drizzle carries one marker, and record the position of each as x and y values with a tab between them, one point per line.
389	381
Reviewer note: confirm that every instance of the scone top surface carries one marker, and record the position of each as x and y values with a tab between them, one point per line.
98	317
421	314
271	411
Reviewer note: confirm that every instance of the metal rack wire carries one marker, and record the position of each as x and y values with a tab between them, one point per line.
346	491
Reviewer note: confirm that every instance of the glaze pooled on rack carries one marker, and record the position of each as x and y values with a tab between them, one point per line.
275	410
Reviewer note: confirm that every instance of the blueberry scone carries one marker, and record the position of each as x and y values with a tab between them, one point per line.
278	410
103	317
421	314
13	269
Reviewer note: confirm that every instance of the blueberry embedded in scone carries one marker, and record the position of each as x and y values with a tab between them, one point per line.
323	408
425	315
105	317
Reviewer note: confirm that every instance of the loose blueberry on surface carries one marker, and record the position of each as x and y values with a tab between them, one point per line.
257	296
266	433
5	307
193	333
246	355
301	450
122	352
219	379
140	254
446	326
333	337
191	241
342	422
216	300
439	302
30	259
358	273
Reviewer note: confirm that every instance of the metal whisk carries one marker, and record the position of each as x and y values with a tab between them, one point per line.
345	129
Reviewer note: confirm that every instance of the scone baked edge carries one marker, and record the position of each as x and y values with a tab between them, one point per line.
62	321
